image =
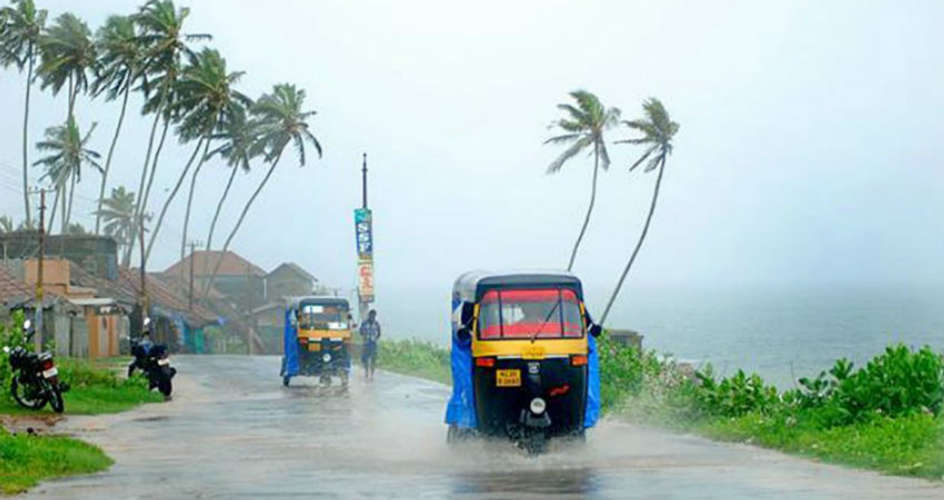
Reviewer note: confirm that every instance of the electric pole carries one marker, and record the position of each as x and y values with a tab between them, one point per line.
38	317
193	256
364	181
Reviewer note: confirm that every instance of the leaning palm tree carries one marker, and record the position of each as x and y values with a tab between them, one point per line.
118	214
68	153
240	144
583	128
658	131
67	55
120	65
281	121
206	85
165	43
23	24
204	94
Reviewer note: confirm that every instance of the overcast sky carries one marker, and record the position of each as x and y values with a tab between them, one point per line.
809	152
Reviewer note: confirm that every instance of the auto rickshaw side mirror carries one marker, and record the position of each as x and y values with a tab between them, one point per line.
464	334
595	330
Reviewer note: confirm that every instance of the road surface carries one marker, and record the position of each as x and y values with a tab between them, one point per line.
233	431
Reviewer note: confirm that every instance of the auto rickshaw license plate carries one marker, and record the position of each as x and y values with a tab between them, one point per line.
532	352
508	378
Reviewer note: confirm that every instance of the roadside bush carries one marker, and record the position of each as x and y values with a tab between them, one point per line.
11	335
734	396
415	357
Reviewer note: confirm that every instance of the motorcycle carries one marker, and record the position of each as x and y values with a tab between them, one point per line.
35	377
154	361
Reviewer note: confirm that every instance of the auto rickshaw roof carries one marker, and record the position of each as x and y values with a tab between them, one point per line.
318	300
470	286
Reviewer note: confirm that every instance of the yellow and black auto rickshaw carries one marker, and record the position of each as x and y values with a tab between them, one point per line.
317	339
524	360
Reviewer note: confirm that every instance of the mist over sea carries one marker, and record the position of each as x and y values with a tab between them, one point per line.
782	333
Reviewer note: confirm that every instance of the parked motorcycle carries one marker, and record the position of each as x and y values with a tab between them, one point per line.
154	361
35	377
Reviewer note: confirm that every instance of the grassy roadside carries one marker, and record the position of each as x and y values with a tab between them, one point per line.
887	416
25	460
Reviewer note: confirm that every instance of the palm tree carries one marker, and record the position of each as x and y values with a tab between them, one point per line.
583	127
165	42
23	25
658	131
281	121
67	54
204	94
118	213
240	145
120	64
68	152
206	86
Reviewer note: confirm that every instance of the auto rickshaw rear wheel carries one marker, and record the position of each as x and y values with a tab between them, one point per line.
325	380
285	380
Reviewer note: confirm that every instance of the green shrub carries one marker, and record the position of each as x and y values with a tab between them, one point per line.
734	396
11	335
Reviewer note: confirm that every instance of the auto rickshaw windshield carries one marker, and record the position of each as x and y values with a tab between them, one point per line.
312	316
521	314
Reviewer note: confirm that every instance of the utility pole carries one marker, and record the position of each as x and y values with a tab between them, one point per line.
193	256
38	317
364	181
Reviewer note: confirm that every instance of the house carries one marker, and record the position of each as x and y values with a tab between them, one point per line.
97	255
288	280
62	320
240	281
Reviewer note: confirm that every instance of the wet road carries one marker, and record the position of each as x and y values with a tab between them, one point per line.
233	431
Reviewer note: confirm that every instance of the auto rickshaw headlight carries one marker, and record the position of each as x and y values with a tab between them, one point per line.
538	406
326	358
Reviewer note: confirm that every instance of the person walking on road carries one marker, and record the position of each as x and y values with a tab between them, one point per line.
370	331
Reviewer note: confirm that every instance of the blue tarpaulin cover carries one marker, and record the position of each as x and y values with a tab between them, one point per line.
461	408
290	359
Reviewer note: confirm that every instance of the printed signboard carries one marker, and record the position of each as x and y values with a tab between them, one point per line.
363	230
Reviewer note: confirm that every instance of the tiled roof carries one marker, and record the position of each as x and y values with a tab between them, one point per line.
12	289
205	263
296	269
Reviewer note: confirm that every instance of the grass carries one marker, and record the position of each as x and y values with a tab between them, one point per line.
25	460
95	389
416	358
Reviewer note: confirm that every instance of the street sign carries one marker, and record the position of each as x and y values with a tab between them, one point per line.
365	280
363	230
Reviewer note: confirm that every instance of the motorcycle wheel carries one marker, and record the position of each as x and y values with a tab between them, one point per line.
54	395
26	396
164	385
325	380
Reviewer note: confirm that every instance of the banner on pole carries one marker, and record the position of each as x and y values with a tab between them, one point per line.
363	226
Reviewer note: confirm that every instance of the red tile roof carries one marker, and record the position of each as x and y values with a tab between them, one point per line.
205	263
12	288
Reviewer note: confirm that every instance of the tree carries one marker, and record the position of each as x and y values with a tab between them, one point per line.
204	93
67	54
68	152
583	127
658	131
23	24
121	57
6	224
76	229
281	121
118	214
163	37
241	144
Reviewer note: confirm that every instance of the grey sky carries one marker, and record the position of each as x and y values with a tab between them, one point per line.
809	152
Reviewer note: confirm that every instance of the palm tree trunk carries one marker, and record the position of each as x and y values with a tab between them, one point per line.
642	237
69	211
170	198
219	207
63	217
126	260
29	81
193	184
593	197
239	222
52	216
157	154
111	151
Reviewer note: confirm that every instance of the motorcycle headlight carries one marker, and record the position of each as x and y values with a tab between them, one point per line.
326	358
538	406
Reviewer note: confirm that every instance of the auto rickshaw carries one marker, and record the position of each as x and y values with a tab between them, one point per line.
524	359
317	339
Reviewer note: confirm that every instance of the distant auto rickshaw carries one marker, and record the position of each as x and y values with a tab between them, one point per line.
317	339
524	359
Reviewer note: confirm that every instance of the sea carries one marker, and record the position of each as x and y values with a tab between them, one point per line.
781	333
